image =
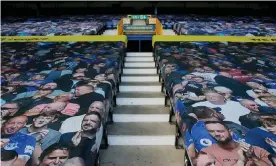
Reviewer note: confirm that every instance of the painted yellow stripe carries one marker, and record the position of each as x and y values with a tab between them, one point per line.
158	38
95	38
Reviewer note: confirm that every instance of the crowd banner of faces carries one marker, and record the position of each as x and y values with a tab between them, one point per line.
192	24
56	95
97	38
58	26
223	94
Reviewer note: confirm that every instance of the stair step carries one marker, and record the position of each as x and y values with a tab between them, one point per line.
140	87
134	54
141	59
139	70
156	133
140	78
139	64
141	129
140	109
141	114
142	156
140	98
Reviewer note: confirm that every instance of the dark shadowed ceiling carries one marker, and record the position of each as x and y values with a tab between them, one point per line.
33	8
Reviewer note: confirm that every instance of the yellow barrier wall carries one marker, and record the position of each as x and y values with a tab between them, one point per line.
62	38
95	38
159	38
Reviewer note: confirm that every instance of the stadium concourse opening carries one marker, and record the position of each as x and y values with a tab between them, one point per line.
139	46
138	83
139	30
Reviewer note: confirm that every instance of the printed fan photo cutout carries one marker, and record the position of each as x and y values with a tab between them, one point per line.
224	98
55	101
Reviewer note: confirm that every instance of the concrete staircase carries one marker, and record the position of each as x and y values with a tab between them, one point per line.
110	32
141	134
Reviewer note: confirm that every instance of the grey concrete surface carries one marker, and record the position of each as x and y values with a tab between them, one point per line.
137	109
146	75
140	95
142	156
141	129
140	83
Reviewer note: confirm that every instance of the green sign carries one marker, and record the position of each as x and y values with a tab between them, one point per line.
139	17
142	27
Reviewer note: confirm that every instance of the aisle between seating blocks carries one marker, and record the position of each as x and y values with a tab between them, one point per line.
141	134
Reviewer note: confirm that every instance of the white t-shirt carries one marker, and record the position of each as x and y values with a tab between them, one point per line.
232	110
73	124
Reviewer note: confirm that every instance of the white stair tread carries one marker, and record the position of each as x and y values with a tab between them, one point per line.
142	156
141	62
144	68
139	70
139	59
140	84
140	95
140	75
153	109
140	87
141	129
134	54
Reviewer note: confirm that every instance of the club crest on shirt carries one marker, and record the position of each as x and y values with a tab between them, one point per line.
11	146
29	149
205	142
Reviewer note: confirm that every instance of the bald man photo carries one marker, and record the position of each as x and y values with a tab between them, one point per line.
11	139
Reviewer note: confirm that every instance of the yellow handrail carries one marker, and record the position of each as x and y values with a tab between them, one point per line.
158	27
120	27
